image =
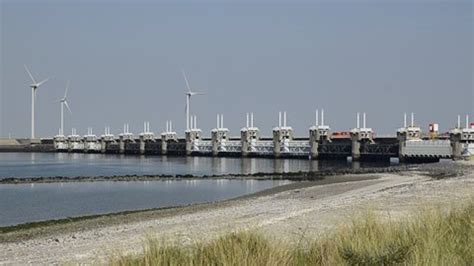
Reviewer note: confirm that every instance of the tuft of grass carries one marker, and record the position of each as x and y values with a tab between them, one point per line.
241	248
430	237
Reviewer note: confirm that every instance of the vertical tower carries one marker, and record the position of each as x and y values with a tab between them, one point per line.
360	135
407	133
167	136
282	135
124	138
249	135
145	136
105	139
319	133
192	136
219	136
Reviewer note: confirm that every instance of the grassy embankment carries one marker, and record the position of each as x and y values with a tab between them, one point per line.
429	237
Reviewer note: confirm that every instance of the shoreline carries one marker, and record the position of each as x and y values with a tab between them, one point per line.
300	180
176	209
285	213
292	176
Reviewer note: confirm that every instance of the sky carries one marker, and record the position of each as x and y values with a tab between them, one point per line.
124	60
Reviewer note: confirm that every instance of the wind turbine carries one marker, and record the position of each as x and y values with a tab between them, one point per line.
189	94
63	102
33	86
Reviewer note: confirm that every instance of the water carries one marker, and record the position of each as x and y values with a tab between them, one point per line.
79	164
36	202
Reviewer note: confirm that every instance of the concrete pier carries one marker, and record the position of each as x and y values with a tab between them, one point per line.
249	135
168	136
103	145
282	135
313	143
105	140
355	152
75	142
60	143
408	133
192	137
219	136
360	135
460	139
91	143
124	138
142	145
402	141
318	134
145	136
121	145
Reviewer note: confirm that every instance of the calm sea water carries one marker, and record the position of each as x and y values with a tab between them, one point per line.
66	164
36	202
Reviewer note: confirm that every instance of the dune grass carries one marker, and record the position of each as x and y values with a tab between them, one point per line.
429	237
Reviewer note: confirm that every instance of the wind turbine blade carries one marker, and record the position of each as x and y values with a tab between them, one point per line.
186	80
199	93
67	88
67	106
29	73
42	82
58	101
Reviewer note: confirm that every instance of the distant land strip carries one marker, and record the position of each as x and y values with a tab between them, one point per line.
293	176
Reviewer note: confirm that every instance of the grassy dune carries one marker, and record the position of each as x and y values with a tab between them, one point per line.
429	237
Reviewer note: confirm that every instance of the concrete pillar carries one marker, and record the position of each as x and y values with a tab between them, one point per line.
215	142
191	136
189	142
165	138
280	136
276	143
402	143
219	136
248	137
103	145
456	144
355	137
314	166
313	143
56	144
121	145
86	146
245	139
142	145
164	145
355	165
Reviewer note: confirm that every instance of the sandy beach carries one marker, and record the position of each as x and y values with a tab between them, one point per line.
302	209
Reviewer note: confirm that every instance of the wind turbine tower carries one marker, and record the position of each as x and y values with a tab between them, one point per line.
35	85
63	102
189	94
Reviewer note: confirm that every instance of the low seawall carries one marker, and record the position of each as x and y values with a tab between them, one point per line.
26	145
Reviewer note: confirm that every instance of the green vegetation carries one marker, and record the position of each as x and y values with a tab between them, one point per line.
430	237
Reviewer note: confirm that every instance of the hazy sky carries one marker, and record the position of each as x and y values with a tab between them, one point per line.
124	63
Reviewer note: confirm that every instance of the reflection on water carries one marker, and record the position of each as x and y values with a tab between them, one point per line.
34	202
78	164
